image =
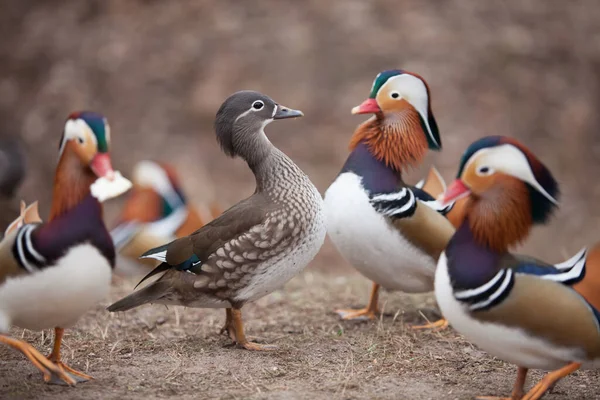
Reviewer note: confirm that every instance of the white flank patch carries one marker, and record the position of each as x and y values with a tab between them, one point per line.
57	295
509	344
370	243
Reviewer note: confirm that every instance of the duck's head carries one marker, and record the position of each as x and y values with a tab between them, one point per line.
509	190
240	123
161	180
86	139
403	127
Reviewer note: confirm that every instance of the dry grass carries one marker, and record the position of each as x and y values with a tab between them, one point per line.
155	352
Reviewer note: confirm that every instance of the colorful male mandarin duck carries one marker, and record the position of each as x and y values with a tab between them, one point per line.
254	247
52	273
156	211
517	308
391	232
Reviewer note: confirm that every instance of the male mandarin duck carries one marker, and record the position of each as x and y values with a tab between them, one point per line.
254	247
52	273
156	211
390	231
519	309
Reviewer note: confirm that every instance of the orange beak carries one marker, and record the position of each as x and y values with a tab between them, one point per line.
102	166
369	106
457	190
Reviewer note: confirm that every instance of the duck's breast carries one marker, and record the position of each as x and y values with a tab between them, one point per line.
368	240
57	295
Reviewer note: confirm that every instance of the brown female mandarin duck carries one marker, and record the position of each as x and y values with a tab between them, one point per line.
52	273
519	309
390	231
156	211
254	247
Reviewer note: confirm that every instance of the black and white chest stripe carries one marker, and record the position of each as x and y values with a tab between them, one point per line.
24	252
498	288
403	203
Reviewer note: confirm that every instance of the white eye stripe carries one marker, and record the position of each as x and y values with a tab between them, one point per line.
77	129
511	161
252	109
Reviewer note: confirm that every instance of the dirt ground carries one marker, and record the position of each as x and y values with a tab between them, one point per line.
156	352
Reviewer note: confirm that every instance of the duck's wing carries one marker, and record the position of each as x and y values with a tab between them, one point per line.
218	258
410	211
433	184
28	215
558	303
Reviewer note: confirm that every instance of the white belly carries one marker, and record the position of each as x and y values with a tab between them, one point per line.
370	243
275	273
56	296
507	343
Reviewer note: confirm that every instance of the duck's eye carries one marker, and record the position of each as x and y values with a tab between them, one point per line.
257	105
394	95
485	170
80	139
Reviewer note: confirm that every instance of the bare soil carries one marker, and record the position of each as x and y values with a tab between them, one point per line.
156	352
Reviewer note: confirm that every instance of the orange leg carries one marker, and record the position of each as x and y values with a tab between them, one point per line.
51	371
371	311
55	358
550	380
228	327
240	336
439	325
517	393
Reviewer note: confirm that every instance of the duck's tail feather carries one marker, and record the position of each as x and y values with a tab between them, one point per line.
162	267
158	253
149	294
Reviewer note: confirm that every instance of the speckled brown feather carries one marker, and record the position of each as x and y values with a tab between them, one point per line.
399	141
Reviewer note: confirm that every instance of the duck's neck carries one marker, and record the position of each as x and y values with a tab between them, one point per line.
377	176
71	184
397	139
470	264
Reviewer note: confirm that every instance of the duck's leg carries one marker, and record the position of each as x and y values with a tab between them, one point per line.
55	358
241	339
371	311
228	327
440	324
550	380
517	393
51	371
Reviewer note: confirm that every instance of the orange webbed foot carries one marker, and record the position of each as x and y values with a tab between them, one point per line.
364	314
438	325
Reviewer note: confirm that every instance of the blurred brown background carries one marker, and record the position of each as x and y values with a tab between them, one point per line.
160	69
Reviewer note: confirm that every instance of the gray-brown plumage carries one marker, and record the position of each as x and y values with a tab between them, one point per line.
257	245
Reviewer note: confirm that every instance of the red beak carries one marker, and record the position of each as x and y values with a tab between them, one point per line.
369	106
456	190
102	166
